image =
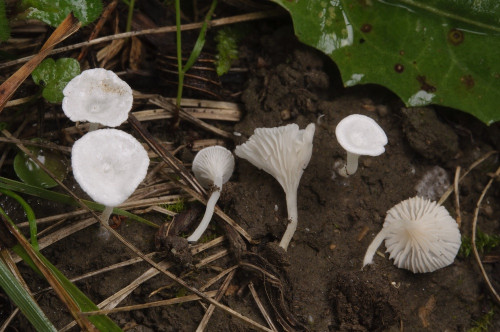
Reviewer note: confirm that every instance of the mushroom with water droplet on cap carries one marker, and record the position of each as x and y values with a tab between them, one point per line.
109	164
212	167
359	135
419	234
284	152
98	96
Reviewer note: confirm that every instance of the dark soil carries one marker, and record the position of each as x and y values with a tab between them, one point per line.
322	283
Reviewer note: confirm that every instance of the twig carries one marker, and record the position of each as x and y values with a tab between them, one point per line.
474	224
98	26
67	27
185	27
261	307
474	165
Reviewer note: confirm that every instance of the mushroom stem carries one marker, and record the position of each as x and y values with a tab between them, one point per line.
214	197
351	165
106	213
93	126
291	205
372	248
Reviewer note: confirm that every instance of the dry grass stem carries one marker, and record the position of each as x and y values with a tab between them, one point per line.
167	29
220	114
112	301
206	318
217	277
457	196
263	310
212	258
474	226
168	105
177	300
471	167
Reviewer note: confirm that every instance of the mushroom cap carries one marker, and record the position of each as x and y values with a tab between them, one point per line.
361	135
97	95
421	235
284	152
109	164
213	162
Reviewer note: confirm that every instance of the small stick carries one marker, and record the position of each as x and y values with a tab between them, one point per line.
457	197
474	224
474	165
261	307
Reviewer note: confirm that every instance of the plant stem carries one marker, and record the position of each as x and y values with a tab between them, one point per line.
195	53
130	15
180	83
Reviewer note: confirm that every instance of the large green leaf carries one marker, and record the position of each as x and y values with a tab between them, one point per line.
443	52
53	12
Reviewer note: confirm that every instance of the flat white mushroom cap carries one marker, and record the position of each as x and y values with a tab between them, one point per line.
109	164
211	163
284	152
97	95
421	235
361	135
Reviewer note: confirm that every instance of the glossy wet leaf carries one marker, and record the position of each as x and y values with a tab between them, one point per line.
54	75
442	52
53	12
29	172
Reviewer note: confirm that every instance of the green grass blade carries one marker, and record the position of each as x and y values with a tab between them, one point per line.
200	42
29	214
20	296
102	322
65	199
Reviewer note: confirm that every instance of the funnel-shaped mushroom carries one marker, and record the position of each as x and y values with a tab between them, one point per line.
284	152
419	234
359	135
97	96
212	166
109	164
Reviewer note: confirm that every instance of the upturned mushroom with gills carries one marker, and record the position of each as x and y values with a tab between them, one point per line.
109	164
98	96
284	152
212	167
419	234
359	135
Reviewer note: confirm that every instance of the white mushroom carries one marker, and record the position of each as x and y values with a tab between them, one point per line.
97	96
212	166
109	164
284	152
359	135
419	234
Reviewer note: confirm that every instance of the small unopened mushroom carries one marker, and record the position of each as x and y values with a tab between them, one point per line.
98	96
284	152
212	166
359	135
419	234
109	164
